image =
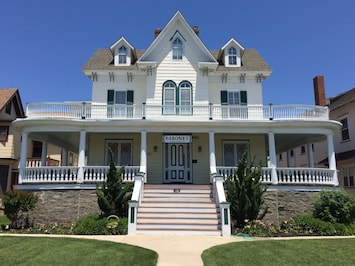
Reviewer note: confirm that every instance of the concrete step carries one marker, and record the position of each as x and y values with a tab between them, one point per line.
149	209
187	205
189	227
177	200
193	215
179	232
176	221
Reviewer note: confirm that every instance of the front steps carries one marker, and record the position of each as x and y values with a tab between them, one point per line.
178	209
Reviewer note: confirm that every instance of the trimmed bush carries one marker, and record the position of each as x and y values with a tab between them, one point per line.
91	225
16	204
309	225
335	207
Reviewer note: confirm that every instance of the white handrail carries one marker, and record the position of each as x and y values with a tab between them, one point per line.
134	203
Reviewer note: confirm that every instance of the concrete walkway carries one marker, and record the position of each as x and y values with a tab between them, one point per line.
173	250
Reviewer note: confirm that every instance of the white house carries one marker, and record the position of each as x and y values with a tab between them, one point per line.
174	114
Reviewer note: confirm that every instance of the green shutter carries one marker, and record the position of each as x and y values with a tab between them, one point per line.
224	98
130	97
243	98
110	96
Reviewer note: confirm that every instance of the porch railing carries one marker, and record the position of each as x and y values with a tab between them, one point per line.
290	176
88	110
69	174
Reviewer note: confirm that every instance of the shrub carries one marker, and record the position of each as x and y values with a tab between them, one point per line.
245	192
113	196
16	204
309	225
91	225
335	207
122	227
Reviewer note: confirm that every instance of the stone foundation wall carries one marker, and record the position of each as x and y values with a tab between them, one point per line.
64	205
285	204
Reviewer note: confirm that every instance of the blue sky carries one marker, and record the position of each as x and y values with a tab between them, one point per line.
45	43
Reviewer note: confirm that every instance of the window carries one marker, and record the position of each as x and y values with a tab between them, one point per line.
185	98
36	149
177	49
348	176
8	108
122	55
232	152
169	98
280	157
291	153
4	133
303	149
232	102
232	56
344	129
120	103
121	150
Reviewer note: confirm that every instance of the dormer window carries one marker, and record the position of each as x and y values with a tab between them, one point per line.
177	49
122	55
232	56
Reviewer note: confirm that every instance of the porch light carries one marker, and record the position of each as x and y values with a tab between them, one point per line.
199	148
155	148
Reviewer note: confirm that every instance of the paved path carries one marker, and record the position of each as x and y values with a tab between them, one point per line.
173	250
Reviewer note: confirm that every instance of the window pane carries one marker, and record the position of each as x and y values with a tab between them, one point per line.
177	49
126	154
228	154
121	97
233	98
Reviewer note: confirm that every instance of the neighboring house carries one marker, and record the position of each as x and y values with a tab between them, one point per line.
342	109
10	109
175	113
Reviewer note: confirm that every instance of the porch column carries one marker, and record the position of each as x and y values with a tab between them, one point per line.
213	168
143	163
81	159
64	157
44	153
331	158
272	157
310	155
23	156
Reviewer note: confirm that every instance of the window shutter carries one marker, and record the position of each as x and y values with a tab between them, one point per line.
243	98
130	97
224	99
110	96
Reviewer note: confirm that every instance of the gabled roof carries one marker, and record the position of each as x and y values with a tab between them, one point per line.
341	99
169	28
11	94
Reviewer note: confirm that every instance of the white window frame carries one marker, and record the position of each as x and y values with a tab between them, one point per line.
177	49
237	153
232	56
345	129
122	55
349	176
118	159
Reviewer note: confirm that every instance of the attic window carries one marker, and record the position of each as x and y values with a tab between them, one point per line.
232	56
122	55
177	49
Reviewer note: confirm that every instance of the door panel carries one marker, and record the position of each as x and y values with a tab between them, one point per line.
177	169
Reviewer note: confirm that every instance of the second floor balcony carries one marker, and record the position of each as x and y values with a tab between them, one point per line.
88	110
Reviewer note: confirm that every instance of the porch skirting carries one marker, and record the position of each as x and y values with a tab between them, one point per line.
70	205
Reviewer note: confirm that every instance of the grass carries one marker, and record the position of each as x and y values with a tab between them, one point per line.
283	252
4	220
38	251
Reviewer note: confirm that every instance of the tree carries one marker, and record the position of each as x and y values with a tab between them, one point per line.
113	196
245	192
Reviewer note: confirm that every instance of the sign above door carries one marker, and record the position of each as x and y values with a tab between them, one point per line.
177	139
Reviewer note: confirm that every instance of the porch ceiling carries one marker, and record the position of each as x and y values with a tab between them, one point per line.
286	142
67	140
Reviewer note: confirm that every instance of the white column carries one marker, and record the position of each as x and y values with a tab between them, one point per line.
81	159
44	153
213	168
143	163
272	157
23	156
310	155
331	158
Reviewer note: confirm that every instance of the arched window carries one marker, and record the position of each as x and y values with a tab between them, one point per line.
122	55
169	97
177	49
185	98
232	56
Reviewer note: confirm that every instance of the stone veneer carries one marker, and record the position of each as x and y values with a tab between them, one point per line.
69	205
64	205
285	204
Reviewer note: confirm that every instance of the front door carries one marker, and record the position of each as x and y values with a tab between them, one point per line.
177	163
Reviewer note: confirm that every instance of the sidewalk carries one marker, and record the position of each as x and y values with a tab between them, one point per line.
173	250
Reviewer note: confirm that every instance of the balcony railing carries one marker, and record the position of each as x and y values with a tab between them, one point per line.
290	176
88	110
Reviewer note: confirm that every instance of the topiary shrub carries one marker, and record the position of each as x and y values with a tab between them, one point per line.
17	203
335	207
91	225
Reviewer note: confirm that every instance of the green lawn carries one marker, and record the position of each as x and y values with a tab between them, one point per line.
283	252
37	251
